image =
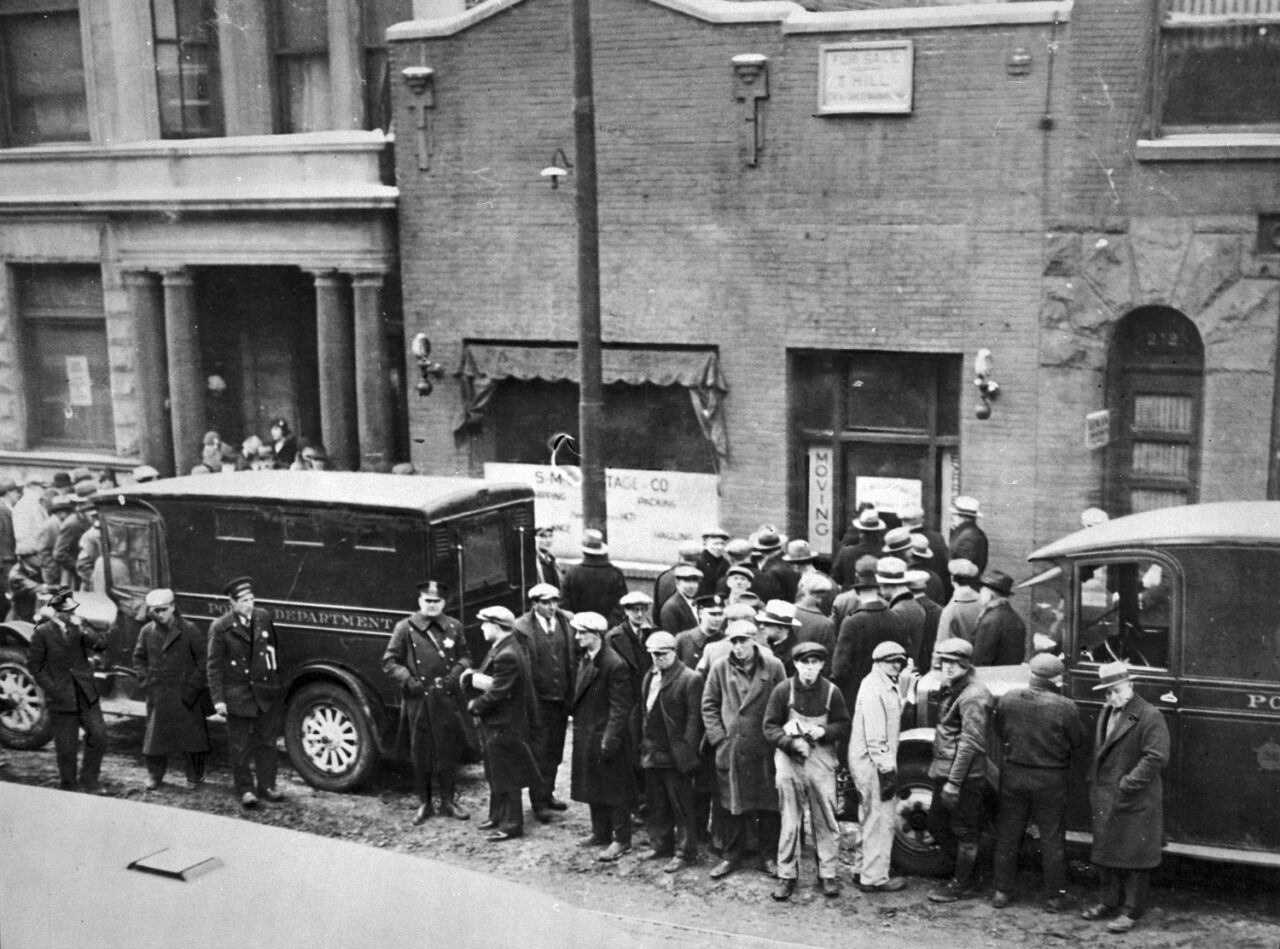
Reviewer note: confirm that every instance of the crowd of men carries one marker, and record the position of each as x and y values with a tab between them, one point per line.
725	712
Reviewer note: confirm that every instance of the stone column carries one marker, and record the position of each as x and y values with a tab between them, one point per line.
186	370
373	388
146	301
336	356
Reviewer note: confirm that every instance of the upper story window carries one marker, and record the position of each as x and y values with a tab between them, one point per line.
187	74
378	16
304	96
1219	67
42	82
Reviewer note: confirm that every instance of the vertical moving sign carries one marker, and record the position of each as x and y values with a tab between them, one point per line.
821	499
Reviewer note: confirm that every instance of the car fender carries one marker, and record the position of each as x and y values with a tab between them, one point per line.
16	634
364	694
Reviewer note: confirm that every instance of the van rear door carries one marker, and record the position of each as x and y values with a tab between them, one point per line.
134	561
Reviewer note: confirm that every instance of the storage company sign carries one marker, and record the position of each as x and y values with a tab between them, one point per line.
651	513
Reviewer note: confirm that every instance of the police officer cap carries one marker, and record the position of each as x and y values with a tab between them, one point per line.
711	601
1046	666
885	650
589	622
63	502
432	589
955	648
498	615
805	650
63	600
544	591
660	641
636	598
238	587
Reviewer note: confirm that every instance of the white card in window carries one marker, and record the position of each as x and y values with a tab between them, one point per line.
79	390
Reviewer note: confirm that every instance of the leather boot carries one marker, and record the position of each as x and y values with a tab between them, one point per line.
961	885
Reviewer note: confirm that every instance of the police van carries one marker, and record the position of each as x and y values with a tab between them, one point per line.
1187	597
334	556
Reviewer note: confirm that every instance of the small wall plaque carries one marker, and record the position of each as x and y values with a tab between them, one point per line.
858	78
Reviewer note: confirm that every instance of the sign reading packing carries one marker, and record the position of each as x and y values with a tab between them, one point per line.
865	77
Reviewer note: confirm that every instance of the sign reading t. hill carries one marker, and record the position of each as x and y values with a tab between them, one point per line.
865	77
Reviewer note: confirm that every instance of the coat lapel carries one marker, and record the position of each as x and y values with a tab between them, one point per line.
171	637
586	673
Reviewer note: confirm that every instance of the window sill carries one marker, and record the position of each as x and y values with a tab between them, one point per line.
1211	146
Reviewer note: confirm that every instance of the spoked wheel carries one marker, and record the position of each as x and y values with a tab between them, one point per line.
25	721
330	740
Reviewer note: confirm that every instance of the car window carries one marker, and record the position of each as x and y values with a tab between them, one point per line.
1232	613
1123	612
130	548
1048	599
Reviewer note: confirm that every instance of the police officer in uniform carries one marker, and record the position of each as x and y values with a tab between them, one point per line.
426	657
244	681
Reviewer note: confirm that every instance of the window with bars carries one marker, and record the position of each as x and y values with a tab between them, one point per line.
187	76
42	79
1219	63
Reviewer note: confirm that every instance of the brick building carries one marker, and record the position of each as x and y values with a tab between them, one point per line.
829	213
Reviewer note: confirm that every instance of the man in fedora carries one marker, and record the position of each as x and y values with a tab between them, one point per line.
959	767
870	542
58	659
918	584
426	656
801	557
1040	730
595	585
920	557
777	621
678	612
244	682
547	638
1131	749
506	708
712	560
1000	636
968	541
934	542
775	579
891	574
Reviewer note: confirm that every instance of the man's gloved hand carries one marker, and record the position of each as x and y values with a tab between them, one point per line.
888	784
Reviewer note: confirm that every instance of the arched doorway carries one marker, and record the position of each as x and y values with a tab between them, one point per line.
1155	389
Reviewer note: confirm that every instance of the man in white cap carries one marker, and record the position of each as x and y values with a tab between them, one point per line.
873	762
594	585
505	707
968	541
960	614
1040	730
547	639
806	721
959	767
671	702
603	777
712	560
170	661
144	473
627	641
1131	749
891	574
678	613
733	707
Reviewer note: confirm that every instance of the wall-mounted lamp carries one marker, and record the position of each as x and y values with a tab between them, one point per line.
563	442
421	81
559	167
421	349
750	89
988	388
1018	65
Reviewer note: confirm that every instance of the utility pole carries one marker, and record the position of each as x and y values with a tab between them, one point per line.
591	388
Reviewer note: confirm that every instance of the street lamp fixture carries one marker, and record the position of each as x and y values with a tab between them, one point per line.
559	167
421	349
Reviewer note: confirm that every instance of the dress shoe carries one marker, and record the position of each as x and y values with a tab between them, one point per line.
1000	899
248	799
1121	924
723	869
783	890
421	815
1058	903
830	888
451	809
676	864
96	789
153	784
1099	911
952	891
769	867
556	804
271	794
657	854
613	852
891	885
592	841
195	784
499	835
542	815
487	824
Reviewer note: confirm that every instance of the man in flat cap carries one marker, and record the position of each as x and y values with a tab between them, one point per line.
1000	638
712	560
244	681
547	566
671	703
170	660
968	541
736	583
58	659
1131	749
547	638
873	762
960	614
733	708
959	767
506	708
664	584
1040	730
426	656
603	775
806	720
677	613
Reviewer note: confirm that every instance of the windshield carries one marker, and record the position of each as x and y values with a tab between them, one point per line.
1048	606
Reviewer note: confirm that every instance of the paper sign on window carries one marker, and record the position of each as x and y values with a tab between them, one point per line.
79	388
892	495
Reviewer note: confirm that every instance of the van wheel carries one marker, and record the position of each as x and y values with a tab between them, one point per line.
28	723
914	851
329	739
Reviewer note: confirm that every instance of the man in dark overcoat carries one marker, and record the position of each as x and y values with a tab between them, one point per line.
594	585
712	560
968	541
58	659
426	656
506	708
170	660
665	583
547	639
733	709
677	612
775	579
869	542
918	583
861	631
547	566
671	703
1131	749
1000	636
244	682
603	703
